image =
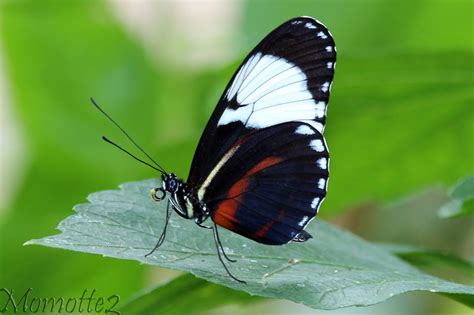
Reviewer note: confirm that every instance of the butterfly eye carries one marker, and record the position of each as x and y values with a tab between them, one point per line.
158	194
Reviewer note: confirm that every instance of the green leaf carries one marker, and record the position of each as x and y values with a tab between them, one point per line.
184	295
421	256
335	269
463	200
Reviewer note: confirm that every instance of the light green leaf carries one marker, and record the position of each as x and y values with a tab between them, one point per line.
54	55
184	295
463	200
335	269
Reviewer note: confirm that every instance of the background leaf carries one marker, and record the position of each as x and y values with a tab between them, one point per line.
397	117
462	202
335	269
420	256
55	60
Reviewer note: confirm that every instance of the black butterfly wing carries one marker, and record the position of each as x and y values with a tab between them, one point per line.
270	183
286	77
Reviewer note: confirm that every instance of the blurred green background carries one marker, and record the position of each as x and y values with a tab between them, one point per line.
400	122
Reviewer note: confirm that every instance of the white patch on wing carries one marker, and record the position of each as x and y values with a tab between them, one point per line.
271	75
303	221
304	130
329	48
315	202
321	183
246	68
317	145
329	65
271	90
231	115
317	125
321	109
322	163
310	26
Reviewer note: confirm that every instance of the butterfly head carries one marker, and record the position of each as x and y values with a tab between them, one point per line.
179	194
169	183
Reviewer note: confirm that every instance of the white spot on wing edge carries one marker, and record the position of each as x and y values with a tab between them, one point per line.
322	183
325	86
304	130
315	203
303	221
312	18
317	145
310	25
322	35
329	48
322	163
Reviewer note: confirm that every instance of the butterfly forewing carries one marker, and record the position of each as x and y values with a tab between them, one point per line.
270	190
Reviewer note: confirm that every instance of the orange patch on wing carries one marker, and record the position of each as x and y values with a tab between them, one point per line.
225	213
238	188
269	161
264	229
226	210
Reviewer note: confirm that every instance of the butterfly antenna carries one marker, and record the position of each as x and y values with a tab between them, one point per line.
133	156
161	169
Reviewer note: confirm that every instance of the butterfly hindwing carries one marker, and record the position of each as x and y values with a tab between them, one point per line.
286	77
270	183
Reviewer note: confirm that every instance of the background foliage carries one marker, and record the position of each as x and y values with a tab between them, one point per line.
400	120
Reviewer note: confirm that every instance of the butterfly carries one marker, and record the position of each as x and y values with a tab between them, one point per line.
261	167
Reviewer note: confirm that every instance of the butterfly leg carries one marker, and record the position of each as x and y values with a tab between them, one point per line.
163	234
219	248
218	240
198	222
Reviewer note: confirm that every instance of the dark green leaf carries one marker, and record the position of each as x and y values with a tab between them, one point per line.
184	295
335	269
